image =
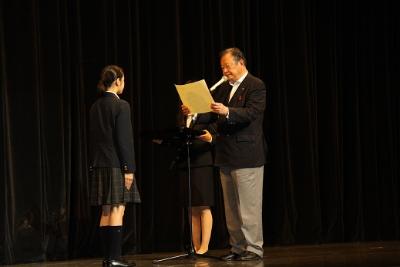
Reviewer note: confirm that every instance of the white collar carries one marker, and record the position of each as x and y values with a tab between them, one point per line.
113	93
240	80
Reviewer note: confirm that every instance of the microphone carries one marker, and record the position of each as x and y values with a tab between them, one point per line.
223	79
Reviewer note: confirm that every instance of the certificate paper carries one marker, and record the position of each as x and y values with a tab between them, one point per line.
195	96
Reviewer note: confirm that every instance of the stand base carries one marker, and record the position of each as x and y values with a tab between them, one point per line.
190	256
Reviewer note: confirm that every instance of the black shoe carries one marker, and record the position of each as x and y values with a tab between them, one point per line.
249	256
230	257
115	263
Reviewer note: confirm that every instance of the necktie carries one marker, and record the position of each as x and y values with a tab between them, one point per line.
231	93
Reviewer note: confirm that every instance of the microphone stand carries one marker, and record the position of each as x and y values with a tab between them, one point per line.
188	134
191	252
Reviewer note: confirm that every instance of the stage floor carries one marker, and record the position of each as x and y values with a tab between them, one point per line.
373	254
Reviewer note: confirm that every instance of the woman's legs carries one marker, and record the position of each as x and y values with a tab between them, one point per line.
196	228
204	220
112	215
111	229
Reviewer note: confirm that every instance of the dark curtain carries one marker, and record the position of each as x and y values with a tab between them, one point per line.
332	121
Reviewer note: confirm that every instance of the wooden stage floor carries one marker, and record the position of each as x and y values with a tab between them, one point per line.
372	254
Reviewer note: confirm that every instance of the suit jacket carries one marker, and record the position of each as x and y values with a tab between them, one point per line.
200	152
240	141
111	137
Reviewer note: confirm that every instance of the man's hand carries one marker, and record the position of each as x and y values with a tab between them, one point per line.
129	180
220	109
207	137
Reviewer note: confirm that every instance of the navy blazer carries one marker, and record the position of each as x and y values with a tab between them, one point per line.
200	151
240	141
111	137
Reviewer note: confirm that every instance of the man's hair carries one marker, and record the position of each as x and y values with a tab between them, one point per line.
236	54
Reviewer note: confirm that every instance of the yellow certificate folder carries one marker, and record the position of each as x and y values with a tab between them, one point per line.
195	96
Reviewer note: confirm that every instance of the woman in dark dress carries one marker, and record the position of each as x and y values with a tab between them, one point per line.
112	162
202	183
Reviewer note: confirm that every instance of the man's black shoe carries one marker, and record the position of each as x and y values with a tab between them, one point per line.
120	263
248	256
230	257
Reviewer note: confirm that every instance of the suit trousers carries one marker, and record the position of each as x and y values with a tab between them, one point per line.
243	190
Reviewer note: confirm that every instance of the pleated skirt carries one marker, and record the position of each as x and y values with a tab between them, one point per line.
107	187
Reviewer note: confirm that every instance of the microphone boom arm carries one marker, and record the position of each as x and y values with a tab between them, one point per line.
223	79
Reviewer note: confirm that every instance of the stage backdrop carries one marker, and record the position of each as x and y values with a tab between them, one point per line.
332	121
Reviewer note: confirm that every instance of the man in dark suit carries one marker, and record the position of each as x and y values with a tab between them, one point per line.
240	153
